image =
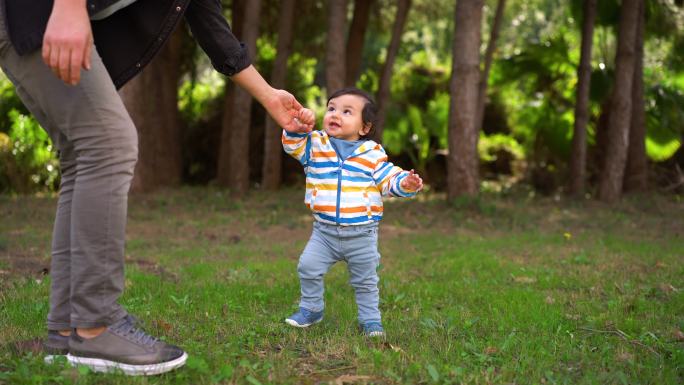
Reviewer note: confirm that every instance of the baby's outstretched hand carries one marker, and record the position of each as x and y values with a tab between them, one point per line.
303	121
412	182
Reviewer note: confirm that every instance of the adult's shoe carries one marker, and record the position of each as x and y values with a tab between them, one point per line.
124	346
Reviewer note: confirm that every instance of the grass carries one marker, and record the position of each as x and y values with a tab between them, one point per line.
501	290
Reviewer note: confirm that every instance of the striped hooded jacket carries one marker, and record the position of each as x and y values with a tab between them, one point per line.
344	191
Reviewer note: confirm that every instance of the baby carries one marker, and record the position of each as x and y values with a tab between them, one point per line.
346	176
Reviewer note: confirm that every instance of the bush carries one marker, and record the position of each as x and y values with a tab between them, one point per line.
28	162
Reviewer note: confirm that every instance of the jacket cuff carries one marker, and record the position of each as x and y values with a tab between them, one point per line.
294	135
236	62
401	192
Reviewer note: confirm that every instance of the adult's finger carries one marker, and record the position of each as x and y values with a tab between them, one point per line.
46	52
53	60
64	64
75	67
295	103
86	55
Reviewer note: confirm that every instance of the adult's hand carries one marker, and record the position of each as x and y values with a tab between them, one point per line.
280	104
68	40
288	113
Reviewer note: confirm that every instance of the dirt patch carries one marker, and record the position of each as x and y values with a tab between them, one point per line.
23	264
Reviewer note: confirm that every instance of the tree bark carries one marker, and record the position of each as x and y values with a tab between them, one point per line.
357	32
335	55
233	168
152	101
610	183
271	172
578	156
489	56
462	163
636	173
384	91
222	166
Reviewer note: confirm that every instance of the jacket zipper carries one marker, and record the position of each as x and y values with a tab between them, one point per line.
339	180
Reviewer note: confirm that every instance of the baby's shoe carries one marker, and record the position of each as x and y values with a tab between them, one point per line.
373	329
304	318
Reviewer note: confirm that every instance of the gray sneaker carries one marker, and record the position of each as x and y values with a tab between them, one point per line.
55	345
123	346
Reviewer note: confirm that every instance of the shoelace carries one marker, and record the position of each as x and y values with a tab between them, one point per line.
127	328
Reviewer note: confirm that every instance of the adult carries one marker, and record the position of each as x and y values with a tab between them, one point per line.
66	59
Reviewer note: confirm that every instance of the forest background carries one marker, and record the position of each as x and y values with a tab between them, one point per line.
481	96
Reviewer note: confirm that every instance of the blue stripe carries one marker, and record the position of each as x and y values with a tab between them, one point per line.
383	175
333	175
307	151
323	164
294	134
355	169
359	219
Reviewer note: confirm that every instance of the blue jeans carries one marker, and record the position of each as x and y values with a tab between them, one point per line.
356	245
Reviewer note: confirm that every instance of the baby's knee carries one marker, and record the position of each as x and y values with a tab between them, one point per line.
310	268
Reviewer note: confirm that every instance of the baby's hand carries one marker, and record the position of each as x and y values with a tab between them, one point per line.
305	119
412	182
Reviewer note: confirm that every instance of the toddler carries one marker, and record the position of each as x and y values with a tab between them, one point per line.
346	176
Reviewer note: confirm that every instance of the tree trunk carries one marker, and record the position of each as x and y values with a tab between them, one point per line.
233	170
578	156
383	97
222	166
636	174
357	32
610	183
335	56
152	101
489	56
462	163
271	172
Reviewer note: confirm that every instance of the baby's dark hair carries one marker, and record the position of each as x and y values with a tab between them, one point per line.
369	115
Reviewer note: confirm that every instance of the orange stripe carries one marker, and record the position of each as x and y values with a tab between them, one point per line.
362	161
360	209
291	141
326	154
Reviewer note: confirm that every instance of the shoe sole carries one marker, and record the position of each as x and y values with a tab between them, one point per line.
294	323
105	366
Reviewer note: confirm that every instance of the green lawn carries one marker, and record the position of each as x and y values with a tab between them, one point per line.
501	290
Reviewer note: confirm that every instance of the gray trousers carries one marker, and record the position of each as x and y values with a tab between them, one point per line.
98	148
356	245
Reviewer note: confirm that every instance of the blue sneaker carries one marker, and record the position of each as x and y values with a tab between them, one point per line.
373	329
304	318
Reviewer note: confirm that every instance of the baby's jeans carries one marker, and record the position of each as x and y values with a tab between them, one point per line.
356	245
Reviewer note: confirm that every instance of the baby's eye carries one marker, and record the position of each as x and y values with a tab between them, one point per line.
347	112
331	109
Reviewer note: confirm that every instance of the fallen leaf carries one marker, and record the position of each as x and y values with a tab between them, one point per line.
549	300
491	350
667	288
163	325
574	317
660	264
679	335
351	379
567	236
625	356
524	279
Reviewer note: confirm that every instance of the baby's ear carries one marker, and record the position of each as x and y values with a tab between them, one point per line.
366	129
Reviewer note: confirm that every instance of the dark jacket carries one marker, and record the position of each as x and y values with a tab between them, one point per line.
128	40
